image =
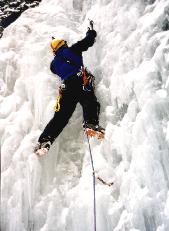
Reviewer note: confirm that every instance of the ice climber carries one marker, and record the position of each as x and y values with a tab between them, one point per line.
77	86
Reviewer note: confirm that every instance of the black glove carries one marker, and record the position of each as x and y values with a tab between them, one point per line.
91	33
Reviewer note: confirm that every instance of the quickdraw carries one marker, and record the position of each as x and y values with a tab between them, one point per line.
57	105
61	89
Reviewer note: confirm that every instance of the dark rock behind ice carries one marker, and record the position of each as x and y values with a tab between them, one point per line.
10	10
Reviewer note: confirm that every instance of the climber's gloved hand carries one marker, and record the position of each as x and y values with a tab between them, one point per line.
91	33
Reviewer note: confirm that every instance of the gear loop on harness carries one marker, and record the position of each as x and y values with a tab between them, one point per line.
88	80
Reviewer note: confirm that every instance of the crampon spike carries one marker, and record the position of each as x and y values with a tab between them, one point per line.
91	133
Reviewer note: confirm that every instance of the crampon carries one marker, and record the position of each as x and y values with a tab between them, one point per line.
92	133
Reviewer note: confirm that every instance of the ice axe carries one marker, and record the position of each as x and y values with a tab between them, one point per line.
91	24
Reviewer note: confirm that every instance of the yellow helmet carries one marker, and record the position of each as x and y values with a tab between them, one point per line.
55	44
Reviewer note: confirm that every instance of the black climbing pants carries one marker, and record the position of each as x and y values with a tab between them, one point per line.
70	96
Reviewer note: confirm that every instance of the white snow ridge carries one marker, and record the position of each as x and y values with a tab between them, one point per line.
130	61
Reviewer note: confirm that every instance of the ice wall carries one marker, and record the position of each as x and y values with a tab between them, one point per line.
130	61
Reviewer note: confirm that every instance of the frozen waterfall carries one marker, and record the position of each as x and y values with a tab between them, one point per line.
130	61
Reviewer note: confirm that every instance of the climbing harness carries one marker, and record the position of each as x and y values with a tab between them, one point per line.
85	77
88	79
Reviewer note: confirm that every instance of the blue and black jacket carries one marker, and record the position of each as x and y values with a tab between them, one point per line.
68	60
